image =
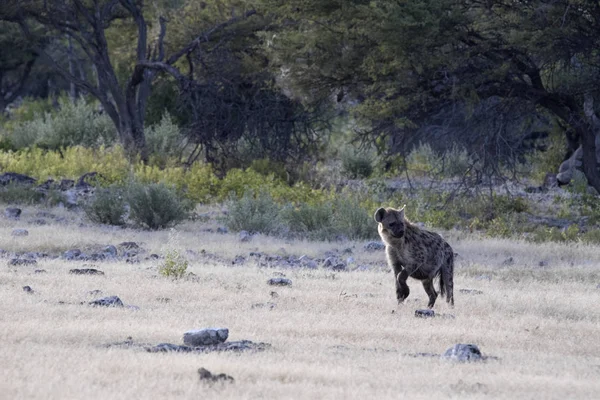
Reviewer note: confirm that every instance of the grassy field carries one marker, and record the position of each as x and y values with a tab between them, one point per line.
334	335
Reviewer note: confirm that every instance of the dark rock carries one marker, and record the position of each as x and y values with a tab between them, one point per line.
12	177
424	313
129	245
20	232
268	305
245	236
22	261
238	346
239	260
110	250
39	271
508	261
470	291
543	263
463	353
95	292
153	256
97	257
374	246
39	221
163	299
88	180
279	282
209	377
72	254
85	271
222	230
111	301
12	212
276	295
203	337
27	289
66	184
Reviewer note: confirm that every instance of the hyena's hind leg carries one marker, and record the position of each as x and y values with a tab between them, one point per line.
428	286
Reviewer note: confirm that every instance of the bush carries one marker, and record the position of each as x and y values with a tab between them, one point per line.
253	213
426	161
74	124
352	219
174	266
156	206
357	165
20	194
107	207
307	220
164	141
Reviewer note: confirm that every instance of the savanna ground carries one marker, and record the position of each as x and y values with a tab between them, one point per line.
333	334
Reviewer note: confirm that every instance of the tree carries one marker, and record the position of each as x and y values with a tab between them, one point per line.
88	23
402	63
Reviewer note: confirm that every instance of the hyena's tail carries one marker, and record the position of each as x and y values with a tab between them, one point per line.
447	278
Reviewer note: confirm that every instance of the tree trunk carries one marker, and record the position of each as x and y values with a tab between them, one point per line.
590	135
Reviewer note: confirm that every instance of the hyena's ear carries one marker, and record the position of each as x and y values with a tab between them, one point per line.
379	214
401	212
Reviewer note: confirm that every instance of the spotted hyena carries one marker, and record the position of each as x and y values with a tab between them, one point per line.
415	252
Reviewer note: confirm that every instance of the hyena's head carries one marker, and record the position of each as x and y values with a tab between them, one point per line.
391	222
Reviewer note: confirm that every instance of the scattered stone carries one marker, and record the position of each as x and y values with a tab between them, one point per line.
39	221
22	261
239	260
203	337
20	232
543	263
129	245
110	250
424	313
207	376
483	278
374	246
463	353
111	301
95	292
279	282
72	254
245	236
28	289
85	271
12	177
39	271
268	305
275	295
238	346
12	213
508	261
153	256
470	291
222	230
45	214
419	355
163	299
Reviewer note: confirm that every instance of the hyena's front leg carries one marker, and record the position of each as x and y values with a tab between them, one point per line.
402	290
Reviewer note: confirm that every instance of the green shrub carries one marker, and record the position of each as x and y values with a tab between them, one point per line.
14	193
253	212
357	165
314	221
156	206
174	266
424	160
107	207
74	124
353	220
164	140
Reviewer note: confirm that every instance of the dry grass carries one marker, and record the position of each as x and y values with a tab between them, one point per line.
542	322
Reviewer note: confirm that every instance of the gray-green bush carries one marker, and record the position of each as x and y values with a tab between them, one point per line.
107	207
253	212
156	206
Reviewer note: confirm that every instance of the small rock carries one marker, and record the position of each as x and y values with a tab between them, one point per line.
222	230
483	278
374	246
203	337
20	232
350	260
276	295
39	221
39	271
85	271
239	260
543	263
470	291
207	376
12	213
111	301
268	305
110	250
508	261
163	299
45	214
424	313
129	245
13	177
72	254
279	282
95	292
245	236
22	261
27	289
463	353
